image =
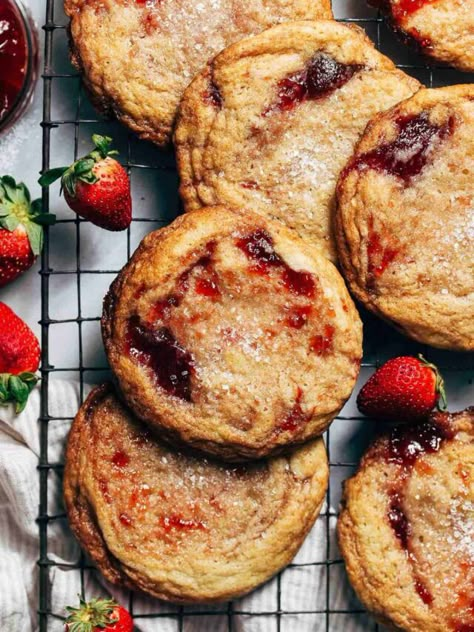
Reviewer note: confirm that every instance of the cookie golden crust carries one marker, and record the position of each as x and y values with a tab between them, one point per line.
405	218
442	30
406	526
178	527
136	58
272	121
229	333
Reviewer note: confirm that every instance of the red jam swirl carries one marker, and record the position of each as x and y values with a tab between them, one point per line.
159	350
379	257
403	8
322	76
406	444
407	155
13	57
322	344
258	247
296	417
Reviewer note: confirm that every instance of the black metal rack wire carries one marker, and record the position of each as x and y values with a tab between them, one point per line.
163	166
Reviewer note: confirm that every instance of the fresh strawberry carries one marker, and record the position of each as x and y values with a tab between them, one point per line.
19	359
403	389
21	229
98	614
96	187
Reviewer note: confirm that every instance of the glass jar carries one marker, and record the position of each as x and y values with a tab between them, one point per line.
18	61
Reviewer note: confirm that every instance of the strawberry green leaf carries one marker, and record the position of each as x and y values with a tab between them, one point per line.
51	176
102	143
10	188
35	237
9	222
45	219
16	389
88	178
83	166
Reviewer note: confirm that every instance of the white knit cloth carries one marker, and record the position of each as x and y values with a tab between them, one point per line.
302	588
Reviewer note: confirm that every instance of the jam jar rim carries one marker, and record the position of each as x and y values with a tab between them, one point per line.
26	92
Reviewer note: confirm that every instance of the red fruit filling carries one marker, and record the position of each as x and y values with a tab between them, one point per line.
406	156
296	417
258	247
321	77
13	57
379	257
159	350
423	592
125	519
120	459
322	344
402	8
398	520
407	444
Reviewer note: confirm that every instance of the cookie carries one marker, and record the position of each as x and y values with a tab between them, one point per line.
137	57
178	527
272	121
406	526
405	219
442	30
227	332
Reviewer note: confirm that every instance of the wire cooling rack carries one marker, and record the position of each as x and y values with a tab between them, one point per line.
72	279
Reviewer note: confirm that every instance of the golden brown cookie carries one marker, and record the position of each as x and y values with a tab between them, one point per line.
405	219
406	530
176	526
443	30
228	332
272	121
137	57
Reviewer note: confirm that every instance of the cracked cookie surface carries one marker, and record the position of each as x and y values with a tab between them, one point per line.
405	217
136	57
177	526
229	333
406	529
442	30
274	118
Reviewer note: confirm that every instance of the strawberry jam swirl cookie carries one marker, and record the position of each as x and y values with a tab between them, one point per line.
443	30
405	221
406	529
272	121
229	333
137	56
181	528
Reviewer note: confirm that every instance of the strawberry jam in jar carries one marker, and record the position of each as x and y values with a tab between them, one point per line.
18	61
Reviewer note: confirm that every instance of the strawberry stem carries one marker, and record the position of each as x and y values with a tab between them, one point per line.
442	403
96	613
16	389
17	209
82	169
